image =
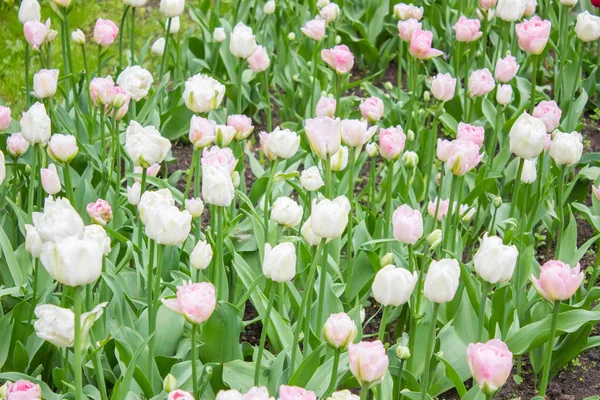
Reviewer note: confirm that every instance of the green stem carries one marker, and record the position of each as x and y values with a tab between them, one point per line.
549	347
429	351
372	174
85	67
399	82
314	74
220	272
560	209
140	225
69	183
166	50
132	36
387	223
97	362
99	60
149	280
239	82
155	304
364	391
34	290
383	324
350	230
190	174
121	32
338	94
457	215
27	85
102	137
322	285
34	172
447	222
78	344
334	370
533	83
195	361
263	335
398	382
515	198
267	101
484	291
267	200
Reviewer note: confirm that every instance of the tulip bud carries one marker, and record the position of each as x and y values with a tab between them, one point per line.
410	135
158	47
426	96
231	394
50	180
63	148
219	35
3	390
235	179
339	160
285	211
410	159
78	37
279	263
242	42
51	35
338	39
368	361
387	259
133	193
201	256
434	239
442	280
291	36
504	94
100	212
393	286
402	352
169	383
529	174
372	150
195	301
339	330
16	145
269	7
194	206
175	25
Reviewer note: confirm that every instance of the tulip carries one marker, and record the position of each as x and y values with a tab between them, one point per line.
393	286
219	35
194	206
442	280
180	395
136	81
330	12
434	239
311	180
133	193
587	27
527	136
343	395
201	256
105	32
56	324
29	11
355	132
224	135
63	148
568	3
506	69
217	186
259	60
295	393
314	29
408	224
168	225
242	42
467	30
511	10
158	47
372	149
16	145
549	113
23	390
530	8
172	8
50	180
481	82
339	330
371	109
285	211
257	393
145	145
533	35
368	361
567	148
309	235
100	212
339	58
330	217
391	142
529	174
325	107
97	234
152	201
472	133
102	91
5	118
443	87
339	160
281	143
407	11
45	82
242	125
229	395
152	170
58	221
35	32
324	135
269	7
35	124
219	158
202	132
490	364
557	281
407	28
175	25
504	94
135	3
420	45
195	301
78	37
33	241
495	262
279	263
203	93
487	4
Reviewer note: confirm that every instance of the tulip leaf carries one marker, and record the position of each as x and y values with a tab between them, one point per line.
16	272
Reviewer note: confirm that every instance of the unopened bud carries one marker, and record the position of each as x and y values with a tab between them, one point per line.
387	259
291	36
426	96
170	383
372	149
435	238
410	135
338	39
402	352
235	178
497	201
51	35
410	159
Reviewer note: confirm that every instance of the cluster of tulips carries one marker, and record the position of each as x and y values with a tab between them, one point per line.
427	198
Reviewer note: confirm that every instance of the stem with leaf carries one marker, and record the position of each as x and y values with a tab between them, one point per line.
34	172
121	32
195	361
383	324
78	344
263	334
166	49
484	291
334	370
549	347
429	351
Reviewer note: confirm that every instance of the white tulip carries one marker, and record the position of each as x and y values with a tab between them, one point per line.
96	233
568	3
194	206
269	7
72	261
45	82
279	263
219	35
63	148
35	124
281	143
330	217
175	25
203	93
339	330
201	255
511	10
495	262
172	8
33	242
136	81
529	174
527	136
343	395
242	42
152	201
135	3
217	186
339	160
504	94
567	148
78	37
442	280
133	193
372	149
309	235
224	135
158	47
145	145
229	395
286	212
587	27
393	286
50	180
311	180
168	225
58	221
356	132
29	11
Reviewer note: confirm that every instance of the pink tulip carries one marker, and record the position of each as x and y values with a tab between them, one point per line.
406	11
16	145
324	135
35	32
217	157
467	30
339	330
557	281
102	91
444	149
506	69
180	395
372	109
325	107
481	82
472	133
533	34
152	170
242	125
50	180
407	28
259	60
356	133
391	142
368	361
442	208
487	4
105	32
314	29
464	157
408	224
548	142
202	131
195	301
549	113
257	393
120	103
100	212
490	364
340	58
420	45
295	393
596	191
23	390
443	87
5	118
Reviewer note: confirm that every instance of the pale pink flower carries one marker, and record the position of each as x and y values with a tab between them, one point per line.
481	82
23	390
152	170
325	107
533	34
314	29
464	156
407	224
340	58
259	60
549	113
443	149
50	180
295	393
35	32
5	118
391	142
180	395
242	125
406	11
105	32
596	191
120	103
372	109
215	156
102	91
472	133
16	145
257	393
548	142
195	301
356	132
339	330
368	361
530	8
490	364
420	45
202	131
487	4
557	281
442	208
467	30
324	135
443	87
506	69
100	212
407	27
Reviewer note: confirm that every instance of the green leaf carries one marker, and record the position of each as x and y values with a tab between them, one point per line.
125	381
9	256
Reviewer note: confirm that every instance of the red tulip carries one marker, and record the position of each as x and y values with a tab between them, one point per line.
596	3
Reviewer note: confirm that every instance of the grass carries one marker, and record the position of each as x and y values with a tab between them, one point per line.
148	27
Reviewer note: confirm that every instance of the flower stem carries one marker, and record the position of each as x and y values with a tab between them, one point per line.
195	361
155	292
132	36
334	370
239	91
484	291
383	324
267	200
322	285
533	83
387	223
166	50
190	174
27	62
560	209
399	82
549	347
364	391
34	171
77	345
267	101
121	32
447	228
314	74
517	188
263	335
349	244
99	60
34	290
338	94
220	282
429	351
69	183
